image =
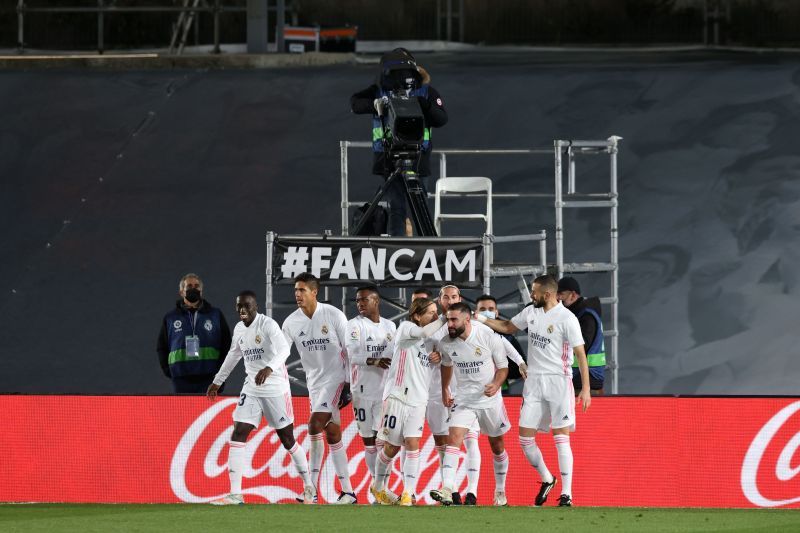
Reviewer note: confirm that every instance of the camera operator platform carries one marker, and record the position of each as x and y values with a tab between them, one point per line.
404	108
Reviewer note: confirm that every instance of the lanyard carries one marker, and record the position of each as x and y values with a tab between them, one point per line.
193	320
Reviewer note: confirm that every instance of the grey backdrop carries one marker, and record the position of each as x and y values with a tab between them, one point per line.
116	183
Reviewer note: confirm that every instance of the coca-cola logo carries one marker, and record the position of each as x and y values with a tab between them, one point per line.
767	470
198	470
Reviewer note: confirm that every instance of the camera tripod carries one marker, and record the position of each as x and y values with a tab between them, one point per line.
414	193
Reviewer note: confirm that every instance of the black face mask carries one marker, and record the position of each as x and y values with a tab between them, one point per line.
192	295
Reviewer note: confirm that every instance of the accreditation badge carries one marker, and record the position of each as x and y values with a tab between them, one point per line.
192	346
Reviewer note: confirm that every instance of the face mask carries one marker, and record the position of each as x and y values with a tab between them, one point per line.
489	314
192	295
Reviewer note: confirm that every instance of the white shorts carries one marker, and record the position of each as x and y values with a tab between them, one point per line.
325	399
276	409
437	414
492	420
367	414
548	402
400	421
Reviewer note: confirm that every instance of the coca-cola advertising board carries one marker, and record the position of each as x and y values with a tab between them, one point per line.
629	451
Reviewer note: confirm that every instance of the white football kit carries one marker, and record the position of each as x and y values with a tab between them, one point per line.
261	345
320	341
407	384
548	395
475	361
436	413
368	340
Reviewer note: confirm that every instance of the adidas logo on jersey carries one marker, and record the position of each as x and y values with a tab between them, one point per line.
325	404
566	417
502	424
302	334
420	428
370	339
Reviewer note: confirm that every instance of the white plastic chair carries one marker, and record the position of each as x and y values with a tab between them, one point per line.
463	185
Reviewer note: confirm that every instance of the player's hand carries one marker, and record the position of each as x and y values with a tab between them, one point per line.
585	398
523	371
447	398
262	375
384	362
346	397
491	389
211	393
435	357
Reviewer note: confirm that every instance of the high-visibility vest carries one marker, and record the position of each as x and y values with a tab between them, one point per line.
596	354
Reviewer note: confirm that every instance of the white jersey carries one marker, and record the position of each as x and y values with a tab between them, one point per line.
551	337
320	343
368	340
475	361
262	345
409	376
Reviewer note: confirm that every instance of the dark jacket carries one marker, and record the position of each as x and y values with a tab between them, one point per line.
213	332
362	103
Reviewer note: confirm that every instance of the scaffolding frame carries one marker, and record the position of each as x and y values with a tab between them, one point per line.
572	199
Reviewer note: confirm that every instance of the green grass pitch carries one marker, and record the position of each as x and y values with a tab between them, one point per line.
240	519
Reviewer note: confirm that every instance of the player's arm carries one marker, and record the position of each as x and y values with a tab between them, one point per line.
234	354
446	368
279	353
355	347
500	326
584	396
416	332
500	365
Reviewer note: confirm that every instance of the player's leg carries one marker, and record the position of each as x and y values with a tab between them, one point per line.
365	412
333	432
472	463
246	418
437	416
461	419
391	434
535	416
279	413
413	423
494	422
562	405
316	437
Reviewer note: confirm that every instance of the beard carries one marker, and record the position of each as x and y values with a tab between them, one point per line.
455	332
538	303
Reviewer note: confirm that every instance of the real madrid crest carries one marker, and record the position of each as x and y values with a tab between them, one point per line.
550	328
258	339
208	325
389	337
477	352
324	329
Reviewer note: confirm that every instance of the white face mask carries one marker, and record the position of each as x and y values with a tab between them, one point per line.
488	314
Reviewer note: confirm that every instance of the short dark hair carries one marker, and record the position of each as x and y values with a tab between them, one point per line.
461	307
548	282
309	279
370	288
486	297
247	293
421	290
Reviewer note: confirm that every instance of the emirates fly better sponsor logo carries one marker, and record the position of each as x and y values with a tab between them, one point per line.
769	460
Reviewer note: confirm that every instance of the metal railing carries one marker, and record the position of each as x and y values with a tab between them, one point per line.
214	7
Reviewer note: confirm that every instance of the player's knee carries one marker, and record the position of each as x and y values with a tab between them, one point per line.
286	436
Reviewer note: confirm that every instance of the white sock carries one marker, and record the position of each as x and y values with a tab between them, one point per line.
449	467
440	451
564	462
383	467
236	465
500	471
370	454
473	461
402	462
315	456
340	465
534	456
301	463
411	472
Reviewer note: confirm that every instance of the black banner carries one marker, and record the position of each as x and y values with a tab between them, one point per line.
387	262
